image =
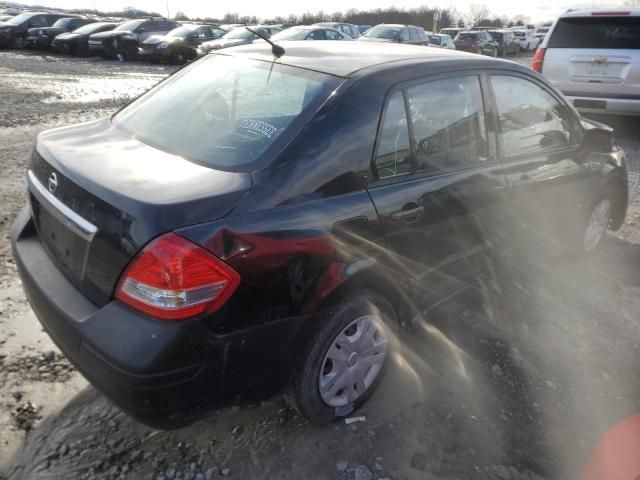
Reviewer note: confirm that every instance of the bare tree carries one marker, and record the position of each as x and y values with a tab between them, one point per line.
477	12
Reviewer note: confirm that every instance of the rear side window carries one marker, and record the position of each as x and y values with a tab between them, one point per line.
404	35
41	21
394	151
320	35
596	32
226	112
448	123
531	120
414	34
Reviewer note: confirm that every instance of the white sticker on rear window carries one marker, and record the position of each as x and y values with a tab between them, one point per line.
259	126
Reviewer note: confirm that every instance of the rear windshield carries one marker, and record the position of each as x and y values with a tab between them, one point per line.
382	31
90	28
226	112
496	35
129	26
597	32
467	36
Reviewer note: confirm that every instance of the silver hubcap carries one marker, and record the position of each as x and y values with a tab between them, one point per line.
597	224
353	361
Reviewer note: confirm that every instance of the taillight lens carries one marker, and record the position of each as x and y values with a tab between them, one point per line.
538	60
172	278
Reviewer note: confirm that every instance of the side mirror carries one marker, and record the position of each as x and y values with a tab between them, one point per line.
597	138
141	30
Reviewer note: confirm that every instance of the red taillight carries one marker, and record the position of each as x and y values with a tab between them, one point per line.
538	60
173	278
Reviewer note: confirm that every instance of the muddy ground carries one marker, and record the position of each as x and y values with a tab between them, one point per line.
515	379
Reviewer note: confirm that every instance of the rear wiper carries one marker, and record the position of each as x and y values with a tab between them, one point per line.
276	49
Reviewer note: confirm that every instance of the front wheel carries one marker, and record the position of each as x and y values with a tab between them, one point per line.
345	360
19	42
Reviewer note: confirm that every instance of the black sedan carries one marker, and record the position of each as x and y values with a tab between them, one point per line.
271	219
77	42
179	45
13	32
41	38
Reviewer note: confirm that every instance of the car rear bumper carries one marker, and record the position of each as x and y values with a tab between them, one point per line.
163	373
38	42
97	48
153	54
605	105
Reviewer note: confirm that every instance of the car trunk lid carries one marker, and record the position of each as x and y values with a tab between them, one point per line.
98	195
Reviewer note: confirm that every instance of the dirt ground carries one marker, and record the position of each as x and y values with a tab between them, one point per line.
515	379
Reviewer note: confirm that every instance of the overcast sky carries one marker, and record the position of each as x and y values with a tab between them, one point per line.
538	10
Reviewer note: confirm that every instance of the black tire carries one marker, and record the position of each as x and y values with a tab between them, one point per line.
19	42
304	394
179	57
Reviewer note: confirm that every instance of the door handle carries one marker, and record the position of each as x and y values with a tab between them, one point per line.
409	214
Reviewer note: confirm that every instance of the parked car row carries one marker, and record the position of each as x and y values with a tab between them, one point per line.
162	40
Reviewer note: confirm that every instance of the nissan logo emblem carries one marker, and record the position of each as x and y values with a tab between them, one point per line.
53	182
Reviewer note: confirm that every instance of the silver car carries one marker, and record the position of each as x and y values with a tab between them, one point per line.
593	57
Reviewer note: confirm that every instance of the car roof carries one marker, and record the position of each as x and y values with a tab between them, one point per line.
343	59
603	12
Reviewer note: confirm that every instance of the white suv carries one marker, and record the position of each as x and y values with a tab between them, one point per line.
593	57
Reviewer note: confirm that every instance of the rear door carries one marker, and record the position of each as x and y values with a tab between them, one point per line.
439	186
595	56
538	140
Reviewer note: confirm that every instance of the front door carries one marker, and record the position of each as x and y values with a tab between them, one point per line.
439	188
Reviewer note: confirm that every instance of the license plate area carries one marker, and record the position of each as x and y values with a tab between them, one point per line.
596	104
65	246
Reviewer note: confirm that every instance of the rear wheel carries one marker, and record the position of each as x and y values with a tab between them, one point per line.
596	223
179	57
345	360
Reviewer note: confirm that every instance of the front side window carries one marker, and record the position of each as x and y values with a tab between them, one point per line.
530	118
316	35
224	111
404	35
394	151
448	123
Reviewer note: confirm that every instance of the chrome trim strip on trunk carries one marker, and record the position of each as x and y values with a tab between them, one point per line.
59	210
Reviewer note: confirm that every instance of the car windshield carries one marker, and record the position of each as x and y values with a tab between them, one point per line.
92	27
542	30
597	32
383	31
240	33
181	32
435	39
227	112
496	35
17	20
129	26
292	34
